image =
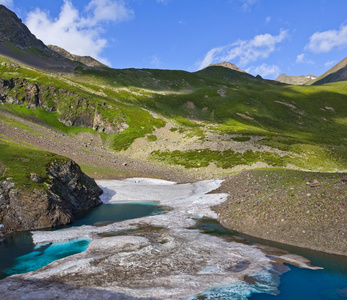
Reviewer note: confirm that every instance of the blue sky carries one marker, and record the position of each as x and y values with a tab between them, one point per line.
266	37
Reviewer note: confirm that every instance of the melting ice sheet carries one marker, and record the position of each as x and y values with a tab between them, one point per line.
172	262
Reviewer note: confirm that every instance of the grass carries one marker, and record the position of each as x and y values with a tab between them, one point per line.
223	159
152	137
315	158
241	139
18	162
140	123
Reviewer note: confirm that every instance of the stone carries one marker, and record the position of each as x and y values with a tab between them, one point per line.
36	178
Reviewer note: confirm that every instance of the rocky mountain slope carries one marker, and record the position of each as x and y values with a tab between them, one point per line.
19	44
297	80
335	74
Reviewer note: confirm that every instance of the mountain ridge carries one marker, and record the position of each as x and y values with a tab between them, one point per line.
335	74
296	80
86	60
227	65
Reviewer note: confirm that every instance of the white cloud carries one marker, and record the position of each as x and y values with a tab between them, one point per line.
155	61
267	20
108	10
77	33
7	3
247	4
264	70
301	59
261	46
327	40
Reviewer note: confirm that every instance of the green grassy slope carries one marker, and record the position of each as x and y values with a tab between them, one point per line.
17	162
307	121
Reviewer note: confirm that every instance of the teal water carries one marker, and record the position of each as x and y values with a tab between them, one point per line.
295	284
18	254
45	254
116	212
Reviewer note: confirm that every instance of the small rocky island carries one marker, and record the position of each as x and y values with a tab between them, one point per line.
46	200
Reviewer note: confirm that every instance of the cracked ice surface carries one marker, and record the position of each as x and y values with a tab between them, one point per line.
171	262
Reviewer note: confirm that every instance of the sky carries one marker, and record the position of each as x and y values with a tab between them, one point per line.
265	37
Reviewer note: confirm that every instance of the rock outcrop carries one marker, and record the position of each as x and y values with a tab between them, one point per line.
73	109
68	191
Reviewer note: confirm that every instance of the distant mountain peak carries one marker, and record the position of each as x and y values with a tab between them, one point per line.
296	80
86	60
227	65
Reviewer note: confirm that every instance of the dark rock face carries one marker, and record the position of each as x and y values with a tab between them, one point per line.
13	30
70	191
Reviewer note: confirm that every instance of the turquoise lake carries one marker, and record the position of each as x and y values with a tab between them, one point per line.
296	284
18	254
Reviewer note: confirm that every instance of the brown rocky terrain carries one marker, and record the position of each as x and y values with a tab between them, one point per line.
304	209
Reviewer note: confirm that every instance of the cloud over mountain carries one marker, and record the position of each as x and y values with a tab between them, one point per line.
79	32
261	46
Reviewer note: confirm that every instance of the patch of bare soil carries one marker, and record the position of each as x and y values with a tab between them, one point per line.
304	209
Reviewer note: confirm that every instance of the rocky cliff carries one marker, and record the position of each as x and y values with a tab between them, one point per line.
65	192
73	109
